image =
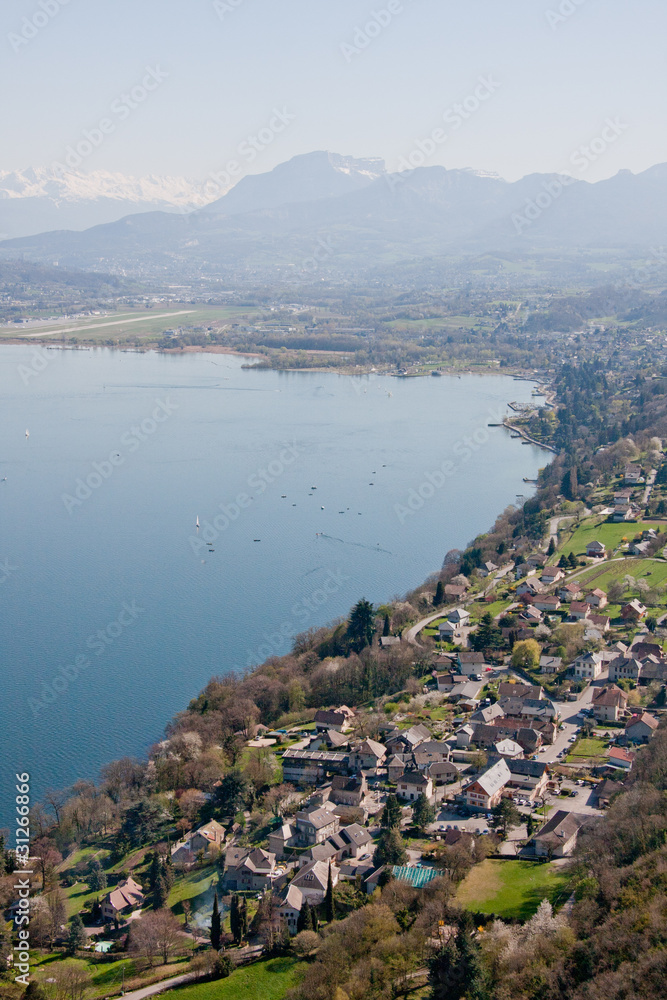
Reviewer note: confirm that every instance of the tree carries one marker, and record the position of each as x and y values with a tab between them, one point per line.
439	594
96	878
392	812
141	822
223	967
526	654
77	937
156	935
160	893
616	591
563	562
361	625
305	919
487	635
216	930
504	816
423	813
243	917
231	793
329	907
306	943
552	546
34	991
386	627
651	623
456	970
71	982
57	910
390	849
572	560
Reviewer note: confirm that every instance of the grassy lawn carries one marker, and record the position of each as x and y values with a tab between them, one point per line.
268	980
610	535
76	897
511	889
107	976
586	749
192	885
654	570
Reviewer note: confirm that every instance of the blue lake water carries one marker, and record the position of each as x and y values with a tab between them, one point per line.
113	611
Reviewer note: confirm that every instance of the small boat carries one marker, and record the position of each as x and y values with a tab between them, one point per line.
257	539
321	508
284	496
27	434
197	525
313	487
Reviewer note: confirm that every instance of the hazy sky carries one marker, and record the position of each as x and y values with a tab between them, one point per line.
556	78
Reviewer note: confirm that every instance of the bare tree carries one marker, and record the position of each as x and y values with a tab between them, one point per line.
157	934
72	982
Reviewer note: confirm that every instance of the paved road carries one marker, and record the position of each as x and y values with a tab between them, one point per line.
166	984
649	487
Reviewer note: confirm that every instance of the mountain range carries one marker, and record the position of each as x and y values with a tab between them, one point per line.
322	214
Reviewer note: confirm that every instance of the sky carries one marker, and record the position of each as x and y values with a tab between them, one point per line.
181	84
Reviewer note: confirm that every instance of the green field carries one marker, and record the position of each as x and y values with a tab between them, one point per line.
610	535
655	570
512	889
268	980
587	749
192	885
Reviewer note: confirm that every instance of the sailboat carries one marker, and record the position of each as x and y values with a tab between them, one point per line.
27	434
197	522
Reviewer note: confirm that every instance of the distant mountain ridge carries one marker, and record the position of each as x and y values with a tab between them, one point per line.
271	224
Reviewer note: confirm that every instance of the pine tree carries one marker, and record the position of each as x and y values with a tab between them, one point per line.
96	878
34	991
552	547
243	914
234	923
154	871
329	905
77	935
390	849
572	559
305	921
168	871
392	812
361	625
386	628
216	928
563	562
160	894
439	595
423	813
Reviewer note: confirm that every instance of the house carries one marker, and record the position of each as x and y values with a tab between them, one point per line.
330	740
517	689
639	548
625	668
471	663
536	560
289	908
620	757
609	703
547	602
558	836
485	792
622	499
633	474
523	569
488	713
208	838
597	599
569	592
551	575
459	616
284	840
588	665
454	592
350	842
640	728
449	631
579	610
467	695
127	897
348	791
641	649
446	681
387	641
249	870
530	587
551	664
465	736
442	772
396	765
531	615
412	784
487	568
309	767
459	838
605	791
634	611
330	719
598	622
312	880
314	827
528	708
622	514
596	549
509	749
529	776
369	755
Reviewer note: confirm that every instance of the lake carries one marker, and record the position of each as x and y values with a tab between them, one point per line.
312	490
